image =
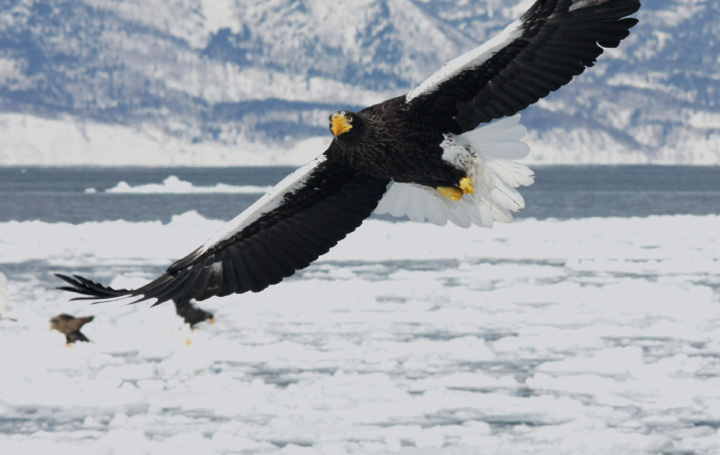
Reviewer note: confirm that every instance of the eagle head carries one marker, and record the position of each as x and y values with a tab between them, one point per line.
342	122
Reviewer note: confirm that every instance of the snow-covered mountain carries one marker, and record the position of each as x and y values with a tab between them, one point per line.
252	82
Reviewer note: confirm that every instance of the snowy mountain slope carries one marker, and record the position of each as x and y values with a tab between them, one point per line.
234	82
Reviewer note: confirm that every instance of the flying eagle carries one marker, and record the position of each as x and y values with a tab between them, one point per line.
70	326
418	154
192	314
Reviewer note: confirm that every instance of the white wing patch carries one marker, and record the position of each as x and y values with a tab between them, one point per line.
487	156
577	4
269	202
468	60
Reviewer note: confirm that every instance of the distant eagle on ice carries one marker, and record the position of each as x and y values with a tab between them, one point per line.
192	314
70	326
418	155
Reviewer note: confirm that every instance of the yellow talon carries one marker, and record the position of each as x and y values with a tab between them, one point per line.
451	192
466	185
455	193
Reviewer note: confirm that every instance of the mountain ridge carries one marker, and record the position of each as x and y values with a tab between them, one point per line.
221	82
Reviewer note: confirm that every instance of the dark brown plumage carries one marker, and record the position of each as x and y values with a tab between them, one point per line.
70	326
192	314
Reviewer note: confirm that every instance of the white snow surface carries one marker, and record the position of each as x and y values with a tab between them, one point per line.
175	185
26	140
586	336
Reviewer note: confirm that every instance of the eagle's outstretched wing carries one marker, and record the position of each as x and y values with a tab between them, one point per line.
538	53
304	216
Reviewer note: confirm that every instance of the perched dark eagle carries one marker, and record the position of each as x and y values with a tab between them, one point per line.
419	155
192	314
70	326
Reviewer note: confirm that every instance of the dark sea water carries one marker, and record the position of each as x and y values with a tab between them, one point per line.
59	194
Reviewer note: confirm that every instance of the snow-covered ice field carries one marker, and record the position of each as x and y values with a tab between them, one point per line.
584	336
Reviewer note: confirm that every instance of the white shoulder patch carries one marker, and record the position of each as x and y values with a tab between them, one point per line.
577	4
269	202
467	61
487	155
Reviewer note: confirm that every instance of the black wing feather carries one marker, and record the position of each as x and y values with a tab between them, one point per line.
557	43
332	202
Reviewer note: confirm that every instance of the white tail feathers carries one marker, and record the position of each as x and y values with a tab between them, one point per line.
487	156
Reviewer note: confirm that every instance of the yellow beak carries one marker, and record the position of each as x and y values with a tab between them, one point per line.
340	125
